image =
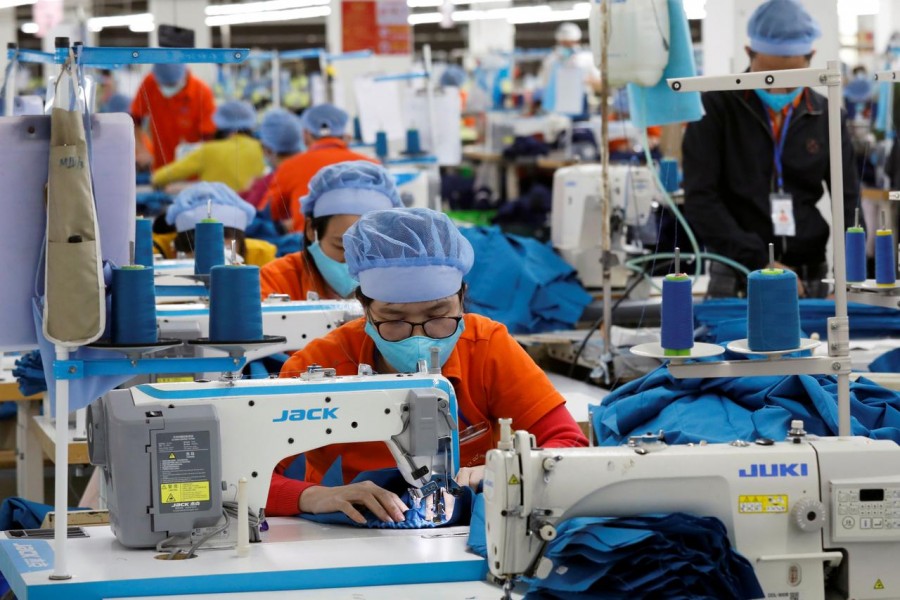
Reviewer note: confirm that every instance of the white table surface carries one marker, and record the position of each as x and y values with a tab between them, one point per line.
578	395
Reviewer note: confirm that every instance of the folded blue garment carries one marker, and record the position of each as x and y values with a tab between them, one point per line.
29	373
889	362
19	513
477	542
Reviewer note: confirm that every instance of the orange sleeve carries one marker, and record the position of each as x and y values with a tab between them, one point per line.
139	106
282	276
278	208
284	492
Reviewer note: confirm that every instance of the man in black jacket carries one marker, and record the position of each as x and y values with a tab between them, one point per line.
755	163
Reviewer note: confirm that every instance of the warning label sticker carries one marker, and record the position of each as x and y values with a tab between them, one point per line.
184	492
184	471
763	505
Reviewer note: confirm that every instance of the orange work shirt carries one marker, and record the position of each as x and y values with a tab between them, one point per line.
185	117
291	179
492	376
295	275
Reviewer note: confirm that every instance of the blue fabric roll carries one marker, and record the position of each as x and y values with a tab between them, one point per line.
143	242
677	314
889	362
381	144
856	254
885	260
773	311
413	143
235	312
209	246
133	307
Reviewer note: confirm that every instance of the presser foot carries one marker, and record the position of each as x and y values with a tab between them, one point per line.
508	585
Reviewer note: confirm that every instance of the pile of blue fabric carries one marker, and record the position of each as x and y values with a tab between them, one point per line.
29	373
747	408
263	228
522	283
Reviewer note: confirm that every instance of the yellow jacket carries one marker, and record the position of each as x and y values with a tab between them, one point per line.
235	161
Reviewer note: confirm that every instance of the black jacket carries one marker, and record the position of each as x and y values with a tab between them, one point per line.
729	173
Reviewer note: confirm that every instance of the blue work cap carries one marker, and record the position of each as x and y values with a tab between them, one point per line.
190	207
325	120
235	115
407	255
281	132
782	28
169	74
859	90
350	188
453	76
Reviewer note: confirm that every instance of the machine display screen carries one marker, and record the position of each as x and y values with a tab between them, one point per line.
871	495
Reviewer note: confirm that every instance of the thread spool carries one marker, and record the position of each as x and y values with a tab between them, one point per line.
235	312
413	143
357	130
677	316
209	246
381	145
773	310
133	306
885	259
143	242
856	254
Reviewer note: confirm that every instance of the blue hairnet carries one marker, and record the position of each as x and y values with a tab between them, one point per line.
859	90
117	103
235	115
190	207
782	28
453	76
407	255
350	188
169	74
325	120
280	131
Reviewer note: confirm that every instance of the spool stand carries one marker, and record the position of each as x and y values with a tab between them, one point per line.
870	292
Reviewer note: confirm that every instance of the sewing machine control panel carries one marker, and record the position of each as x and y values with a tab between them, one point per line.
865	512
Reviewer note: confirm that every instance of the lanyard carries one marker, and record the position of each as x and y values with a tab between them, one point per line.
779	147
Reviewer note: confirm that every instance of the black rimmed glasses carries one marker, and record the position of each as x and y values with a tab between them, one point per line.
437	328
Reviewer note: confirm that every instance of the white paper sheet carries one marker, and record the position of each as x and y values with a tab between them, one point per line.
447	116
380	109
569	90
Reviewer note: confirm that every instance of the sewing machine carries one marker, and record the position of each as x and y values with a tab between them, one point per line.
791	508
172	454
577	216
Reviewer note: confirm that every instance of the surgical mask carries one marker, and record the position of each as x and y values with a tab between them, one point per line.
566	51
405	354
170	90
337	274
777	102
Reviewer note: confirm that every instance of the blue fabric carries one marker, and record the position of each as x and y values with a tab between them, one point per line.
19	513
782	28
726	319
672	556
477	541
29	373
190	206
169	74
390	479
453	76
117	103
263	228
325	120
889	362
659	105
350	188
281	132
522	283
150	204
235	115
727	409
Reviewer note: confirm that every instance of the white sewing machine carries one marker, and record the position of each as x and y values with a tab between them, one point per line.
791	508
577	216
171	454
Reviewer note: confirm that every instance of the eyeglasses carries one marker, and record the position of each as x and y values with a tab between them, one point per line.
437	328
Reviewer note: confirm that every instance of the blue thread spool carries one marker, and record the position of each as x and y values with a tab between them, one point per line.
235	312
856	254
143	242
885	261
773	310
357	130
677	316
209	246
133	307
381	145
668	174
413	144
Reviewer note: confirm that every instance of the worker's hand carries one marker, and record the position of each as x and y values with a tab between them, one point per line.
385	505
142	157
470	476
801	289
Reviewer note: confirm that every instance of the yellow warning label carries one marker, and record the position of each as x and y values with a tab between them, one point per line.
879	585
513	480
763	505
175	379
171	455
195	491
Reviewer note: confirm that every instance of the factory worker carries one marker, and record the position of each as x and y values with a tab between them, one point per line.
570	54
281	136
755	163
324	134
235	158
410	264
192	205
175	107
338	195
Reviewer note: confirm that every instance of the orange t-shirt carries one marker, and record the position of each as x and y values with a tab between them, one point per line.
294	275
185	117
291	179
492	375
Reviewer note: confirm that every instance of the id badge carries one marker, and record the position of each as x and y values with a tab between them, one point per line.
783	214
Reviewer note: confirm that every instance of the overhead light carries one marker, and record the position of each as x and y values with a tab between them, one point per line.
424	18
30	28
424	3
857	8
541	13
696	9
138	20
255	7
578	12
142	27
14	3
272	15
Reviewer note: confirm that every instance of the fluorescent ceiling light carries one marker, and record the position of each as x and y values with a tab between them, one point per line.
541	13
272	15
138	20
858	7
255	7
142	27
30	28
424	3
14	3
424	18
696	9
